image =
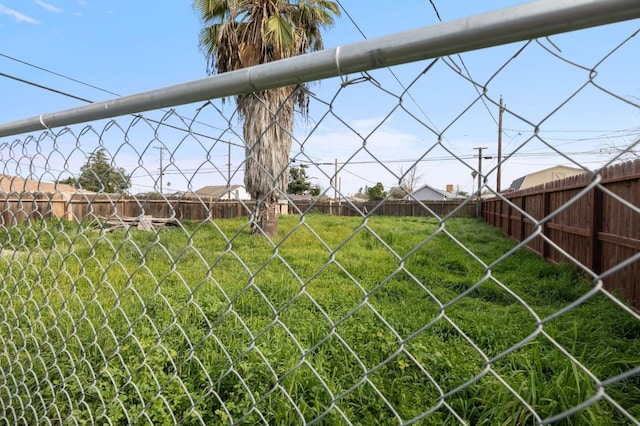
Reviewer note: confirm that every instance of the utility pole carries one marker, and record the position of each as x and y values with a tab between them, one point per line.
229	170
480	167
499	174
161	169
335	181
229	164
479	199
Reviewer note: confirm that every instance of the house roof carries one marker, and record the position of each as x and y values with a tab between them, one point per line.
358	199
517	183
552	174
216	190
299	197
446	194
18	184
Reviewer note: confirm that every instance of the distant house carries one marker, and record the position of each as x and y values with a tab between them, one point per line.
220	192
53	198
543	176
357	199
429	193
18	185
299	197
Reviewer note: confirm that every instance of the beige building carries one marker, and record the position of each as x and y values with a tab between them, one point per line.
15	184
221	192
543	176
23	197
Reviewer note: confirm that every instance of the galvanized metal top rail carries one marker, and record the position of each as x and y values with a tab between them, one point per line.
523	22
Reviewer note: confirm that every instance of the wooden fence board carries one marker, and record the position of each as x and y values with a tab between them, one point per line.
80	207
596	228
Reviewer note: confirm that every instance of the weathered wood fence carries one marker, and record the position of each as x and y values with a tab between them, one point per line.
389	208
596	228
81	207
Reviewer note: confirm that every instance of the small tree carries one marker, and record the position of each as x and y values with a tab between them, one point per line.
377	192
409	180
100	176
362	192
624	153
299	182
69	181
398	192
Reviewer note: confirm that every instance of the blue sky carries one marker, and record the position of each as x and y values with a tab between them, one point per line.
126	47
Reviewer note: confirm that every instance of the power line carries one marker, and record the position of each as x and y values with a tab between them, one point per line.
171	126
40	86
358	176
456	158
464	66
57	74
435	9
84	84
390	70
512	156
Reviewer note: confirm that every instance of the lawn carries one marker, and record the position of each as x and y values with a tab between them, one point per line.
340	321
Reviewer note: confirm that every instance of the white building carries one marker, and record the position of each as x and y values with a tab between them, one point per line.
221	192
428	193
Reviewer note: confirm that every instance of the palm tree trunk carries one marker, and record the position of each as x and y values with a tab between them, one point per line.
265	219
268	122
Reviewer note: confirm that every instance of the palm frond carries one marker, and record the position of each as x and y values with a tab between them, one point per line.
279	31
242	33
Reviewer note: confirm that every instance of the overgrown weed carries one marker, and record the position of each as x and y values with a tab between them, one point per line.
374	321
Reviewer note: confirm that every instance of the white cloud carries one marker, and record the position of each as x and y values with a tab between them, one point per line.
48	6
82	3
19	17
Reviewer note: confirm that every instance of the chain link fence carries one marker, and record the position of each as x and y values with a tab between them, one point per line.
109	317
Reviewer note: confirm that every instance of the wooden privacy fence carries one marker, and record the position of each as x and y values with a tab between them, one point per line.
389	208
103	205
17	207
82	207
596	228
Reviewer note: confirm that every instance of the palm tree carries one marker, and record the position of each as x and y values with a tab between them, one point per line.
243	33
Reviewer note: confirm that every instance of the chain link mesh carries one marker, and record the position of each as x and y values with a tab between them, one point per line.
360	320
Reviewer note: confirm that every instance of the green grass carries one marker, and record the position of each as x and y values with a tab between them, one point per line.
339	318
